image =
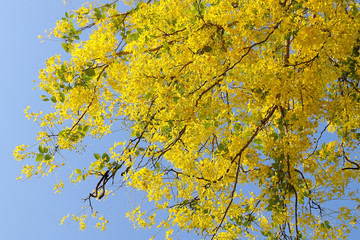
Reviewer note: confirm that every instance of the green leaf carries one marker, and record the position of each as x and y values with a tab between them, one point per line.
86	128
62	97
134	36
53	99
97	14
269	208
47	157
327	225
44	98
105	157
148	95
78	171
90	72
101	167
166	46
97	156
274	135
65	46
207	49
139	30
157	164
39	157
257	141
41	149
202	6
141	149
221	146
267	234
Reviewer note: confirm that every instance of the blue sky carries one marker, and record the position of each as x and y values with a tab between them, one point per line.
31	209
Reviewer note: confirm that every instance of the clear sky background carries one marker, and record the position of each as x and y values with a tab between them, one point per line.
31	209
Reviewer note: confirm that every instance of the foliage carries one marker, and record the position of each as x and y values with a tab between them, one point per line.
227	103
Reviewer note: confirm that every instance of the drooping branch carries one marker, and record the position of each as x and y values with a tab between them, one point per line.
260	127
221	76
238	165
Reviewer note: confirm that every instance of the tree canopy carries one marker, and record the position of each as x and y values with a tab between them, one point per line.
243	115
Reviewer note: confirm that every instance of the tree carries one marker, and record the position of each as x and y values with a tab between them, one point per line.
227	103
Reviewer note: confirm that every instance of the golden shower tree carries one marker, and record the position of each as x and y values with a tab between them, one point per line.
230	105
